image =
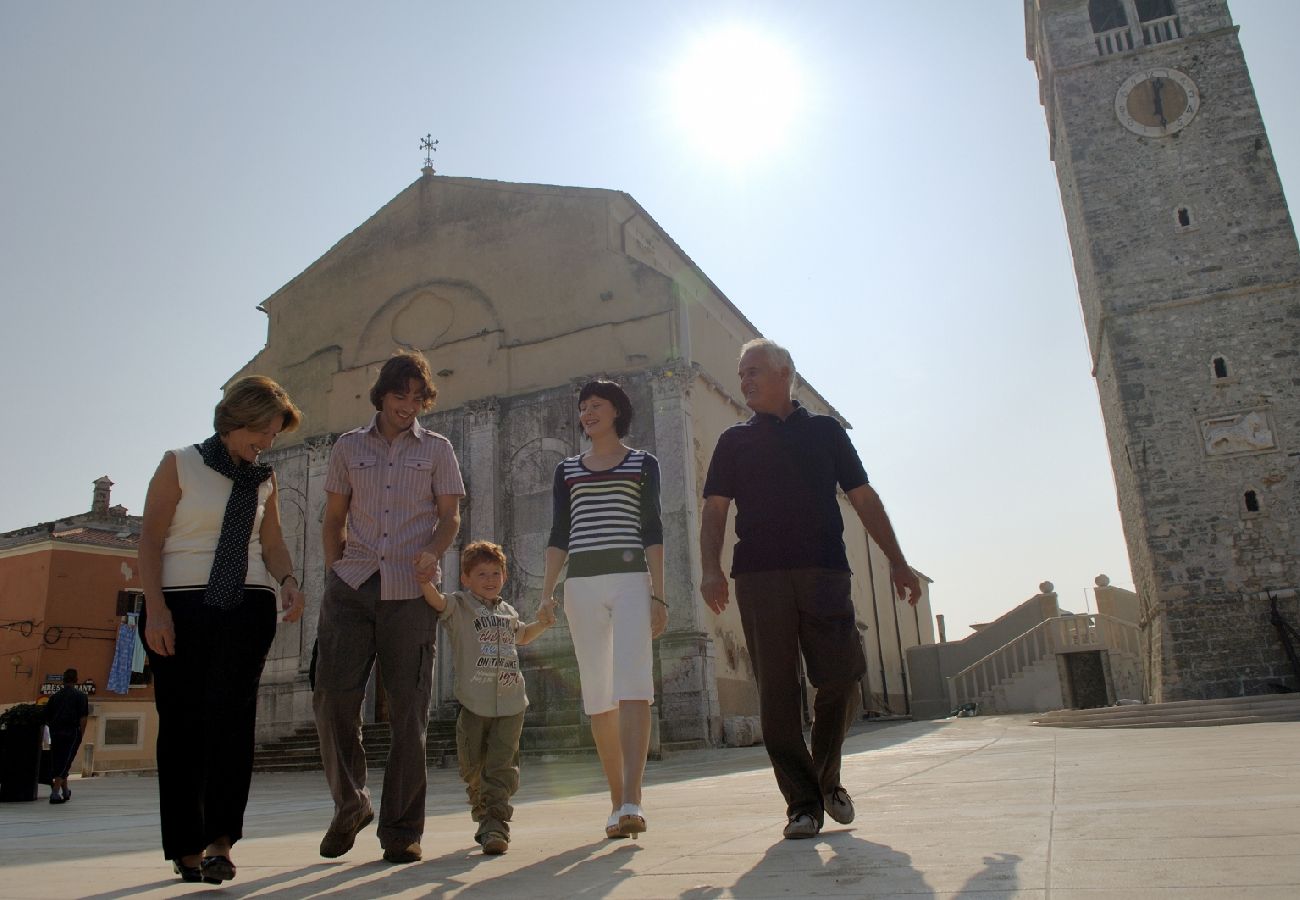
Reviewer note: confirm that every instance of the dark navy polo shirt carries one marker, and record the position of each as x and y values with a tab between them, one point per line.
782	476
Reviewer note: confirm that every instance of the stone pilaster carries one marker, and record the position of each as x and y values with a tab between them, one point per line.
689	708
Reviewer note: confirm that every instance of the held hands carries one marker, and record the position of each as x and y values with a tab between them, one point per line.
546	612
292	601
427	570
713	587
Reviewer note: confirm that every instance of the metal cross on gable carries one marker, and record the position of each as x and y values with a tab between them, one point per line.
429	146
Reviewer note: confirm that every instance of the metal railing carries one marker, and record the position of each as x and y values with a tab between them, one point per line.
1062	634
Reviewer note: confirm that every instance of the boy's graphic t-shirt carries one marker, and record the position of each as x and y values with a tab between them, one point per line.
484	654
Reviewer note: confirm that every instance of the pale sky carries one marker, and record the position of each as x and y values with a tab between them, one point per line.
878	197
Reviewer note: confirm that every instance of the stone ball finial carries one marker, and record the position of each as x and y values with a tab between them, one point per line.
1101	581
1046	587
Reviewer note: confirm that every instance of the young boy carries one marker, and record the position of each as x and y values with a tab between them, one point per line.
485	632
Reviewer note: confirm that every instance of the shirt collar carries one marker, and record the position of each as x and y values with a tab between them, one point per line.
799	412
416	430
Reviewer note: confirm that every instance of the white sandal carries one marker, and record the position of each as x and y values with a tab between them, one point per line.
613	830
631	820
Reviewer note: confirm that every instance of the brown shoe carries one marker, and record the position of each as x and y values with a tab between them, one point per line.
408	854
336	843
495	843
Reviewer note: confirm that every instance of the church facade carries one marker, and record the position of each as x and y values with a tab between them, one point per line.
1189	278
518	294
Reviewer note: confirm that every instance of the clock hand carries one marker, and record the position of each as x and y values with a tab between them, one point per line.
1157	100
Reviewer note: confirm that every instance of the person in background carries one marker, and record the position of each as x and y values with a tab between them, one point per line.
65	716
212	557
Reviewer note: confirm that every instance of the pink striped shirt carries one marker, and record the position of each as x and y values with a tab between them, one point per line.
393	509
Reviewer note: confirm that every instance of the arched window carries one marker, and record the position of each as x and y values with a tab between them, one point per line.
1154	9
1252	501
1220	367
1106	15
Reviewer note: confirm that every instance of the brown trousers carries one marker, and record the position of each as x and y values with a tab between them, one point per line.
355	629
784	612
488	749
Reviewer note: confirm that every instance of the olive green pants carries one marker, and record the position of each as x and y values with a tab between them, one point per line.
488	750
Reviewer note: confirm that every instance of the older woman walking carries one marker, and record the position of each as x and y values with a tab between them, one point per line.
606	525
212	556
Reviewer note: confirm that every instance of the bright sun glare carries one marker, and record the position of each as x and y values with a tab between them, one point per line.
736	94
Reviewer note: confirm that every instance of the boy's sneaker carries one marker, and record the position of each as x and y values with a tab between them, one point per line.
839	806
801	826
495	843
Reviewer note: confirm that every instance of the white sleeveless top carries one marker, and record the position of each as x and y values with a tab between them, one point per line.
191	540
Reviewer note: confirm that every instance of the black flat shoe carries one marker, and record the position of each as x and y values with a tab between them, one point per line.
191	874
217	869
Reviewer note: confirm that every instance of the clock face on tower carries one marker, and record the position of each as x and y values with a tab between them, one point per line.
1157	102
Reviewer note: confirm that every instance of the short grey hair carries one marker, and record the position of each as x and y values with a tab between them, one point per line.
776	355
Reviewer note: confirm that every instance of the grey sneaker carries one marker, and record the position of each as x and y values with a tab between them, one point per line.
839	806
801	826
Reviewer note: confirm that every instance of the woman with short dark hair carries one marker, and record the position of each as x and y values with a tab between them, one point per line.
212	557
606	525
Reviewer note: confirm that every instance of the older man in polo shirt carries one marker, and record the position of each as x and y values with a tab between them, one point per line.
793	584
393	491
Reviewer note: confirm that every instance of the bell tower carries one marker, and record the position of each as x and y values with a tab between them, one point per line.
1189	278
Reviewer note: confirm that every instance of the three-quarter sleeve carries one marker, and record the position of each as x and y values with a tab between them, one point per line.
652	526
560	512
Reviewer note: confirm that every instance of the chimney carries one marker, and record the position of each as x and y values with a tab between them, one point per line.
99	505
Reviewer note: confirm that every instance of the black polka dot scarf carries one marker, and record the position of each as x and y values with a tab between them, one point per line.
230	564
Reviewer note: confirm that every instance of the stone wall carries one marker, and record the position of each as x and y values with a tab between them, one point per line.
1187	259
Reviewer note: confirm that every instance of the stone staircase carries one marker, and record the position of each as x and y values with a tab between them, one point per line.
544	739
300	750
1180	714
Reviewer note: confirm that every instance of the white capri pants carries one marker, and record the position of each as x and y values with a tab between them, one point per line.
609	619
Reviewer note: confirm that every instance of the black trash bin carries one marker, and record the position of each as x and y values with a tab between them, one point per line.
20	759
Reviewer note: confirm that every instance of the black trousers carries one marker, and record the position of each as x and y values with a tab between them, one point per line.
206	694
63	750
784	612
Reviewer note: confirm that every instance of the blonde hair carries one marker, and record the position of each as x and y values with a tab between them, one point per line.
255	401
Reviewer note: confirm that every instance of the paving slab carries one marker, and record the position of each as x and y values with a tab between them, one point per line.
988	807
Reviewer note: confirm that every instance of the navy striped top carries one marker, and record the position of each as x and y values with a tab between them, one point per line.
606	519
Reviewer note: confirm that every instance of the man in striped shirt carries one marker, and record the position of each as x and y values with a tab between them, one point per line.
793	584
393	492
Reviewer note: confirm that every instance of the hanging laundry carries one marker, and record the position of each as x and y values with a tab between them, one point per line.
119	674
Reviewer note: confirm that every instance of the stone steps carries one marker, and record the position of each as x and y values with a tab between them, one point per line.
300	750
1183	713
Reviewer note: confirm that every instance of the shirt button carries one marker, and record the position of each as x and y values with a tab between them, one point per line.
381	559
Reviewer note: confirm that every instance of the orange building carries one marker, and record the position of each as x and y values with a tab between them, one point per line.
65	588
